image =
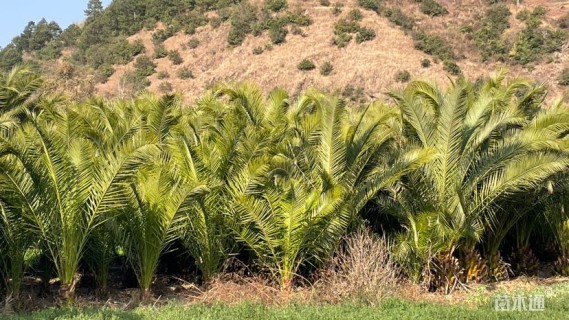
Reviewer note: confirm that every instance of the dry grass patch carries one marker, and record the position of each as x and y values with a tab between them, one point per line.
362	270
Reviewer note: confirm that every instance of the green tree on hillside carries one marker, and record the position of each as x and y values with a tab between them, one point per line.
94	7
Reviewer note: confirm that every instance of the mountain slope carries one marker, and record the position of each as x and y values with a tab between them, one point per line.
360	70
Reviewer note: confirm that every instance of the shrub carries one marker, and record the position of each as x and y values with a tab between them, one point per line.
165	87
325	3
161	35
258	50
564	77
451	67
397	17
134	82
277	33
106	70
356	15
299	18
163	75
185	73
433	45
341	40
425	63
372	5
193	43
306	65
276	5
326	69
432	8
365	34
346	26
488	36
534	41
402	76
160	52
215	22
144	66
362	268
137	47
242	18
353	94
191	21
175	58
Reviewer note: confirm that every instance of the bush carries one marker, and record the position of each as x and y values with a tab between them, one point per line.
397	17
277	33
534	41
134	82
191	21
353	94
402	76
193	43
425	63
175	58
325	3
356	15
185	73
144	66
326	69
488	36
258	50
346	26
432	8
215	22
163	75
165	87
564	77
106	70
365	34
306	65
242	18
343	30
161	35
433	45
298	18
372	5
276	5
451	67
160	52
341	40
363	268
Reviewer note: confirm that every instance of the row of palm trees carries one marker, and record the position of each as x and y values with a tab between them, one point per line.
282	179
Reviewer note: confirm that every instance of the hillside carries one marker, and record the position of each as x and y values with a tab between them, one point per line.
189	59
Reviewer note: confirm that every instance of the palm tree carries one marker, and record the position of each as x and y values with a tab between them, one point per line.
492	140
310	168
16	88
67	171
162	196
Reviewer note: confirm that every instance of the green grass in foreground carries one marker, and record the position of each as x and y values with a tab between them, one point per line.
555	308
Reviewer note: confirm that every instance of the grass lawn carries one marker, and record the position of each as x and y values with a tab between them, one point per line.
556	307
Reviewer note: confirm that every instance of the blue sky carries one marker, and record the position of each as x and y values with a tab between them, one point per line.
17	13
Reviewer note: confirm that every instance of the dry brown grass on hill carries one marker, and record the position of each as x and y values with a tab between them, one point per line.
370	65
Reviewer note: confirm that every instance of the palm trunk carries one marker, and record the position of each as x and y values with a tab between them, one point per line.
67	292
145	296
